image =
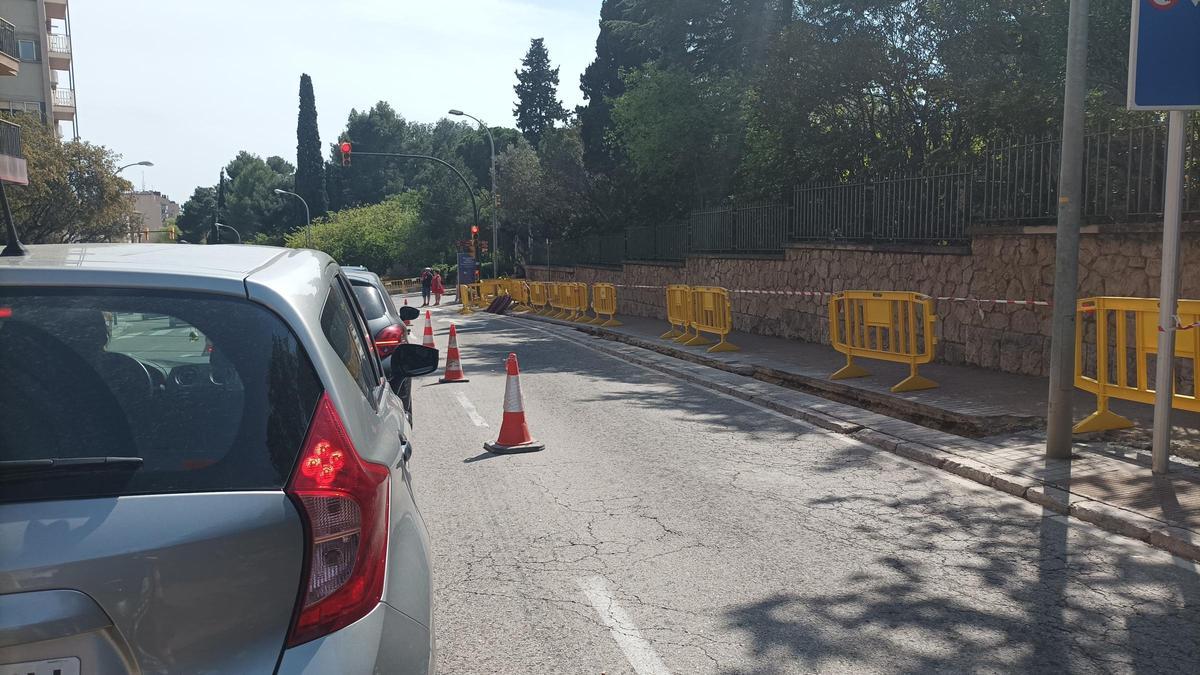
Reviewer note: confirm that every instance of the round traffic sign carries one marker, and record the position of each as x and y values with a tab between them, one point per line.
1163	4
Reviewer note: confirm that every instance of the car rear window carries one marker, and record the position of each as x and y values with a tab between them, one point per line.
214	393
370	300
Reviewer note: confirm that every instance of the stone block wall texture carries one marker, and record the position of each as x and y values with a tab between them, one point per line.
1017	266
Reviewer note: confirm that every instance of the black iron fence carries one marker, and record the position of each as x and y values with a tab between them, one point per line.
1009	183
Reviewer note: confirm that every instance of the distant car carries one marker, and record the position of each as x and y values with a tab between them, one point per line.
203	469
384	321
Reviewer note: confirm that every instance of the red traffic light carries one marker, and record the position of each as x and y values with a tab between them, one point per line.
345	147
474	229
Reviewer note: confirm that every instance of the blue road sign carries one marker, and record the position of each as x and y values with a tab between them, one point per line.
466	268
1164	55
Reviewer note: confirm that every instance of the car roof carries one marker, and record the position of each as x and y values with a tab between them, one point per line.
362	274
219	268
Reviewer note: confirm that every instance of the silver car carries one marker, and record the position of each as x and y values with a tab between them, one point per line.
384	322
203	468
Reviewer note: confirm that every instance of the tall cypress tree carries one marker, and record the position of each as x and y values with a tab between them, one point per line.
601	82
538	107
310	165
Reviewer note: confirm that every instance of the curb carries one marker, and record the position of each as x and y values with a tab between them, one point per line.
905	439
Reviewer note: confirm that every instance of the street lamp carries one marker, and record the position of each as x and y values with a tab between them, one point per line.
495	215
307	217
229	227
141	163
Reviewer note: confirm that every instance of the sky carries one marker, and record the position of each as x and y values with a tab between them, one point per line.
187	84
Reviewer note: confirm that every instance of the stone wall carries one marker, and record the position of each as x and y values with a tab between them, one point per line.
1016	265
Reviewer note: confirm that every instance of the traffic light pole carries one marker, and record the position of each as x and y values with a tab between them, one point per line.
448	165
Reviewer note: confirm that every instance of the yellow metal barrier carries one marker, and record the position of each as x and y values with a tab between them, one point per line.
889	326
711	313
1127	330
518	290
537	296
488	290
560	299
464	299
679	313
579	302
604	304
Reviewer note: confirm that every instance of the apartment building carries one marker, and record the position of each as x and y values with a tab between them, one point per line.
12	162
154	210
42	79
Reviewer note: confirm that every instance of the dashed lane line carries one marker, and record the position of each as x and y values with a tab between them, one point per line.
625	633
472	413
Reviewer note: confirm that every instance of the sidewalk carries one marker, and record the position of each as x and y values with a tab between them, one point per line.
980	424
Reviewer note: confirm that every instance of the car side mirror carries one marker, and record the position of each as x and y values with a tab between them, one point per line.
409	313
412	360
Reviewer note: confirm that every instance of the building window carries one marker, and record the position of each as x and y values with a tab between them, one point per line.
27	50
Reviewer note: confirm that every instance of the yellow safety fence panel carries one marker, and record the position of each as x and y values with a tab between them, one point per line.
604	304
893	326
518	290
711	313
466	298
537	296
490	289
1126	336
579	303
679	313
560	303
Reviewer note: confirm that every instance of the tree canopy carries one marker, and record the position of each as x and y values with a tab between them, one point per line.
538	106
310	165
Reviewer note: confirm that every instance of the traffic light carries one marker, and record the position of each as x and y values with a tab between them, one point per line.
474	240
345	148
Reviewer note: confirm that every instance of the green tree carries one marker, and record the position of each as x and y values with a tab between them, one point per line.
382	236
538	107
197	214
74	193
368	180
601	82
310	165
252	207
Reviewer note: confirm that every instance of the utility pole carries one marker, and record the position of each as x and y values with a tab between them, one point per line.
1164	376
495	197
1059	417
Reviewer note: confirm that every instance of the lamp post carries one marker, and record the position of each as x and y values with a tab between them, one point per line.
230	227
141	163
495	214
307	217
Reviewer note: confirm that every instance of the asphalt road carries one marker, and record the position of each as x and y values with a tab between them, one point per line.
670	529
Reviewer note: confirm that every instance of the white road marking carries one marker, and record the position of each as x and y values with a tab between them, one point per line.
470	408
637	649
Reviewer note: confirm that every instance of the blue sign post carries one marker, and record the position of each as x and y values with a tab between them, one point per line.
1164	55
466	268
1164	74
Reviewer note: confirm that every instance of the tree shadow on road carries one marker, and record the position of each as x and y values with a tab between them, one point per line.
961	587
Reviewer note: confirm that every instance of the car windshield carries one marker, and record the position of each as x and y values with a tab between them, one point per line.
370	300
212	392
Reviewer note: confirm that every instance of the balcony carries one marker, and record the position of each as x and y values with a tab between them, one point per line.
10	61
12	164
59	51
63	104
56	9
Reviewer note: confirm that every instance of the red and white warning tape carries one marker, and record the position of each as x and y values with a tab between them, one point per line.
827	294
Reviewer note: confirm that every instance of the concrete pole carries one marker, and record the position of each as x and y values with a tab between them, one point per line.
1164	374
1059	418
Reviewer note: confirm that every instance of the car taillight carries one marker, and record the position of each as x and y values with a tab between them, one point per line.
345	503
388	339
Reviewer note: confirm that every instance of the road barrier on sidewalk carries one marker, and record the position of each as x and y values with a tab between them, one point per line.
559	300
518	290
489	289
893	326
1126	332
580	303
679	313
537	296
711	313
464	298
604	304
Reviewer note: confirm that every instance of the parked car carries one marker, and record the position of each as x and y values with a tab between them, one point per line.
202	468
384	321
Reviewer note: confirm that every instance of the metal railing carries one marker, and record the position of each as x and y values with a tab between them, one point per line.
10	139
60	44
64	98
1007	183
8	39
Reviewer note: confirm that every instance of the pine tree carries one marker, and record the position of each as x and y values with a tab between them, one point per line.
538	107
310	165
601	82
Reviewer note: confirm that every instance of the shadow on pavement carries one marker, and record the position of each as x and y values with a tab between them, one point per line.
479	458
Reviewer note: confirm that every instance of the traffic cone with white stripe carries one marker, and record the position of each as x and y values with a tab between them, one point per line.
514	433
454	370
427	340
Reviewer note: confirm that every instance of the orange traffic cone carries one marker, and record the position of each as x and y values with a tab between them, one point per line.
514	433
406	321
454	370
427	340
